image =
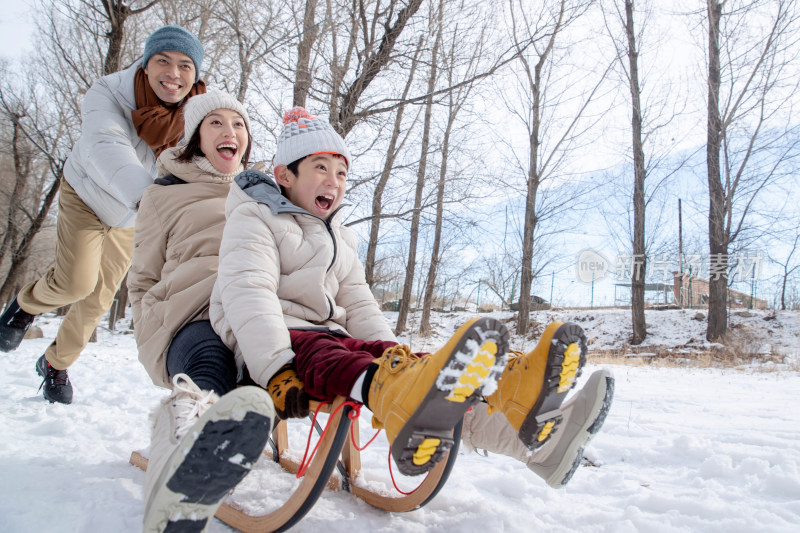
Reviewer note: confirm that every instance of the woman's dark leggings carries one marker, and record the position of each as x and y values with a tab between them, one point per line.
198	352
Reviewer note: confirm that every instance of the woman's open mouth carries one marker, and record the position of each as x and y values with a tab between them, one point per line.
227	150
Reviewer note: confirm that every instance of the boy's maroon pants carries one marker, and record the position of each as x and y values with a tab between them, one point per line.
329	365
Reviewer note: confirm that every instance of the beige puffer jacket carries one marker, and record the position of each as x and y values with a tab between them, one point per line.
174	263
281	267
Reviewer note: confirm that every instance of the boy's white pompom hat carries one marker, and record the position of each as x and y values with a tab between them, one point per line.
200	105
304	134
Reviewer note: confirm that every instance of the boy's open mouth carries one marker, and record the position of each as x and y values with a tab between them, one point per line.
227	150
324	201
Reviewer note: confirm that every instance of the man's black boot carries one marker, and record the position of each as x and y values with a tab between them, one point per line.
14	322
57	387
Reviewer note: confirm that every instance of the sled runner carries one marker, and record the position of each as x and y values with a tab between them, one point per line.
336	450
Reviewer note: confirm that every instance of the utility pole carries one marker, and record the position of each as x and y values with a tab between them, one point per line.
680	253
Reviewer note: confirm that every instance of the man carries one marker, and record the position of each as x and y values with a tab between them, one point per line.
127	119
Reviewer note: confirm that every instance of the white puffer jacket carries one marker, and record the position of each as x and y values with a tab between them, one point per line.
282	268
110	165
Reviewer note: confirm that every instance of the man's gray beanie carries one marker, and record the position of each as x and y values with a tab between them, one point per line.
176	39
303	135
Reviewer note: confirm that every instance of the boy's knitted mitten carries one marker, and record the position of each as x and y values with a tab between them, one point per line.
288	395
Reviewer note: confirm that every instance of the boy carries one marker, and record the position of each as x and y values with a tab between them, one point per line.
291	297
290	289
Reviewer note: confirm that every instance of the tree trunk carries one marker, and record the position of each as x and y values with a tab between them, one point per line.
302	73
377	201
526	276
430	284
117	13
405	303
534	175
345	119
783	293
639	252
244	79
788	271
380	186
717	242
20	254
22	171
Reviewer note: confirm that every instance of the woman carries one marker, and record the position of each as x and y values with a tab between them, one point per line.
176	247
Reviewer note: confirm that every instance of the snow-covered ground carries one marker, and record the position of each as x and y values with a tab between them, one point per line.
683	449
752	332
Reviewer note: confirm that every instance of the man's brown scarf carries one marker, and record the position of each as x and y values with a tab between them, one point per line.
161	127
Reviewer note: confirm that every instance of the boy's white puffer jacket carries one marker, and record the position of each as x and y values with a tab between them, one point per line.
282	268
110	165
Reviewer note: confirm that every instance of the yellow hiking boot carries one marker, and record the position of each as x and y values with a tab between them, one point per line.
533	385
419	400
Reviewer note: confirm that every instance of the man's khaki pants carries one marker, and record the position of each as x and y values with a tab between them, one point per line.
91	260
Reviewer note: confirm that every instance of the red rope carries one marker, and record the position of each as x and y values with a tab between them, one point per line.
391	474
305	464
353	437
352	415
355	414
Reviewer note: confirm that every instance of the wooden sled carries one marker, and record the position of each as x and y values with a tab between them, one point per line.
335	444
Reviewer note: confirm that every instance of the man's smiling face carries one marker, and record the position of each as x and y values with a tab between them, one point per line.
171	75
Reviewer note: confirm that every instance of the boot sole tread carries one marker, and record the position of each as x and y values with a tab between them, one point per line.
565	360
11	340
208	467
442	408
589	432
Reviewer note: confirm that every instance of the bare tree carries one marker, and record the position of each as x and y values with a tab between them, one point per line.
502	268
303	69
38	152
501	274
455	101
405	303
371	31
255	29
789	265
374	56
396	144
751	139
97	32
536	70
433	264
21	157
649	116
639	175
116	14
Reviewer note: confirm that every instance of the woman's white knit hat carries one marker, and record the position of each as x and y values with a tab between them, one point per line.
304	134
200	105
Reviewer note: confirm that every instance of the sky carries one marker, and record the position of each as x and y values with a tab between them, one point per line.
683	450
16	31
